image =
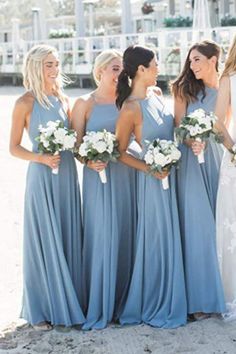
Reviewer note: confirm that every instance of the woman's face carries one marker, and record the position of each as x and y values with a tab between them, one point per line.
151	73
50	69
109	74
201	66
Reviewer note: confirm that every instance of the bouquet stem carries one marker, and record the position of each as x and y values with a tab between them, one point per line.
103	176
56	169
165	183
200	157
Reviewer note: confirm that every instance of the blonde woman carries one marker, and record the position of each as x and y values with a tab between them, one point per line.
108	209
226	198
52	222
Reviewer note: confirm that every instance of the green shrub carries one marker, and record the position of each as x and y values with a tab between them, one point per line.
178	21
62	33
228	21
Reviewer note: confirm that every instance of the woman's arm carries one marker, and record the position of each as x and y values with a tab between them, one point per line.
128	121
222	110
78	118
79	115
20	120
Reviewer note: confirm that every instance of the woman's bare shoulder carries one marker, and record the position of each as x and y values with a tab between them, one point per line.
84	100
25	102
131	105
131	111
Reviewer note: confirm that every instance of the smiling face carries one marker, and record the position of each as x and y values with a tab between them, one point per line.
201	66
109	74
50	70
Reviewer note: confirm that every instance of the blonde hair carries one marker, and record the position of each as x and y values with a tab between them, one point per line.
33	78
102	60
230	64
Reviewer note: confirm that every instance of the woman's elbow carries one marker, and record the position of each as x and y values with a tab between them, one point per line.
13	149
122	155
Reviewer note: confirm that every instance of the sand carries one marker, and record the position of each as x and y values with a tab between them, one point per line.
204	337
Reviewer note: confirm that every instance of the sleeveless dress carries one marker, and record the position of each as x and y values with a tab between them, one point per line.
226	217
52	282
197	191
109	217
157	290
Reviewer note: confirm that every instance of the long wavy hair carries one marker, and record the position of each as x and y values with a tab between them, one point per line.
33	78
133	57
230	64
186	86
102	60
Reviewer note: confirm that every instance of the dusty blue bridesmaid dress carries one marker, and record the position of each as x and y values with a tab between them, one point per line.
157	291
52	284
197	191
109	218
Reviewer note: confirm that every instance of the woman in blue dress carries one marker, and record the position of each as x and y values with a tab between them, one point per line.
109	210
52	222
157	290
196	87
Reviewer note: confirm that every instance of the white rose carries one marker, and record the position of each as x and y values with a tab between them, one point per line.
45	143
49	131
83	150
99	136
52	124
69	142
156	150
165	144
100	146
160	159
199	113
110	147
86	138
168	159
149	158
193	131
60	135
175	154
94	139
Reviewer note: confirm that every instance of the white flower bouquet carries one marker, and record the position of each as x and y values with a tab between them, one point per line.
99	146
55	137
161	155
197	125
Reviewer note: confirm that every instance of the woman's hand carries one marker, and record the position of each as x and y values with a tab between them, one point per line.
51	161
161	175
96	166
198	147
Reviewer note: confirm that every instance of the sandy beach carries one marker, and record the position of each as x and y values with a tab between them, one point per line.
210	336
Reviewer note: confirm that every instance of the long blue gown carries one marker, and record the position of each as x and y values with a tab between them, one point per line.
109	218
52	250
157	291
197	191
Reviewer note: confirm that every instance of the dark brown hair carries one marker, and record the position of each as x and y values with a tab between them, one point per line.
132	58
186	86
